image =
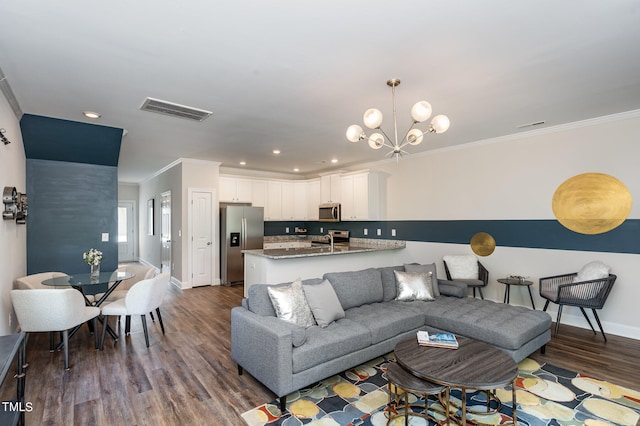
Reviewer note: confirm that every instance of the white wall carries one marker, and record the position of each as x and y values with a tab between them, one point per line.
13	237
178	178
515	178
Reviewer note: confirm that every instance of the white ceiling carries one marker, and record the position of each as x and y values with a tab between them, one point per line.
293	75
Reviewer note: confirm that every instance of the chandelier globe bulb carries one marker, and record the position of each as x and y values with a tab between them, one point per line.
355	133
414	137
421	111
372	118
376	141
440	124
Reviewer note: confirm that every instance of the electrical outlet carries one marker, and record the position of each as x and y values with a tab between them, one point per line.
105	237
393	232
286	230
366	231
379	232
321	230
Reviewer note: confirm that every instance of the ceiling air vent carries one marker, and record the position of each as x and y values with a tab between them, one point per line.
524	126
175	110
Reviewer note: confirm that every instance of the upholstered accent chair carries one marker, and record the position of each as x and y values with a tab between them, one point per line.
49	310
466	268
570	290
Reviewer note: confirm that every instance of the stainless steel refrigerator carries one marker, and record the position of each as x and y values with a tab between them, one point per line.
241	228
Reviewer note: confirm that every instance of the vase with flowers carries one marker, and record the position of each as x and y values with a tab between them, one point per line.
93	257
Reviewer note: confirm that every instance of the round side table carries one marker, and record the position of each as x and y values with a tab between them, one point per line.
508	282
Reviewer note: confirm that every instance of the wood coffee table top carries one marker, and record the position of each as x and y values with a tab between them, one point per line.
474	365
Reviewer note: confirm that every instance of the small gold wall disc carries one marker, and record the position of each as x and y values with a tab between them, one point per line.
483	244
591	203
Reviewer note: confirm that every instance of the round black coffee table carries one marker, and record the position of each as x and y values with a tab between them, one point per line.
474	365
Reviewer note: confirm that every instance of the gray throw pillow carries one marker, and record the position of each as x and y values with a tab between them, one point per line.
290	304
414	286
425	269
324	303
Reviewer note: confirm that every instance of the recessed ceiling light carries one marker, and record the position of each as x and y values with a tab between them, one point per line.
296	169
243	163
334	160
91	114
276	151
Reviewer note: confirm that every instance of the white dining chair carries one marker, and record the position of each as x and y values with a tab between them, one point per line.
143	297
34	281
47	310
141	272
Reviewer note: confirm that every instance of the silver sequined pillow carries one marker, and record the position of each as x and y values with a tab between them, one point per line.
414	286
291	305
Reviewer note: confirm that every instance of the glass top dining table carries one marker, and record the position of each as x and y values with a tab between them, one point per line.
87	284
91	285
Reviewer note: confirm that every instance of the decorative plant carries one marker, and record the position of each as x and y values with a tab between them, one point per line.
92	257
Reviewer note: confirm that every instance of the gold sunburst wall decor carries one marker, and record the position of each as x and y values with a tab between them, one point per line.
483	244
591	203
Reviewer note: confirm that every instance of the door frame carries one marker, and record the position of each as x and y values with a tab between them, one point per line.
215	251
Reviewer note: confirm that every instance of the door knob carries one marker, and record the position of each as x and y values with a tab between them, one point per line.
209	243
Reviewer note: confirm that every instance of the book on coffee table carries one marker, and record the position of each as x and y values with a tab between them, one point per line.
437	340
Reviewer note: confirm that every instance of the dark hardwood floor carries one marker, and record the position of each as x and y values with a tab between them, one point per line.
187	376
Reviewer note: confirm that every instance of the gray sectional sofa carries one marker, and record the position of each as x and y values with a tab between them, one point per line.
286	357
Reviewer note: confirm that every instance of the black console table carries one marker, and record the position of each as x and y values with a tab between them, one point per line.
12	412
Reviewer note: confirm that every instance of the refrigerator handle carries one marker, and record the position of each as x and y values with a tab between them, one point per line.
243	230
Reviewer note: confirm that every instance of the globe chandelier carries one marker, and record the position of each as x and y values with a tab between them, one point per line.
372	119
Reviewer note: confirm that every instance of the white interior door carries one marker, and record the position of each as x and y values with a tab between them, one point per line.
202	238
126	231
165	234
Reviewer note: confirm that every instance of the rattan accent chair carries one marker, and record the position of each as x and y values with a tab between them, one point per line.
591	294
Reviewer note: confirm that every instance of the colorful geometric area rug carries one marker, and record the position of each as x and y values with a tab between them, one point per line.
545	395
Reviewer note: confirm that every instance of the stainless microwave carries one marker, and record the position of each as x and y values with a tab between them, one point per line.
329	212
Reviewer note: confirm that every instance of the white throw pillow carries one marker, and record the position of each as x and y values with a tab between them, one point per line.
290	304
592	271
462	266
595	270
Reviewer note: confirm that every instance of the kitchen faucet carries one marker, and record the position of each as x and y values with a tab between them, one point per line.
329	236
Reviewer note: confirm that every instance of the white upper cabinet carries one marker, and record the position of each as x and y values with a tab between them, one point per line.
235	190
313	199
293	201
288	201
330	189
300	196
361	196
273	207
259	193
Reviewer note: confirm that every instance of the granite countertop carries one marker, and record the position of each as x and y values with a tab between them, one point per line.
356	245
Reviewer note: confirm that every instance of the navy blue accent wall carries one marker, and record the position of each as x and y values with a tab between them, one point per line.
70	206
63	140
544	234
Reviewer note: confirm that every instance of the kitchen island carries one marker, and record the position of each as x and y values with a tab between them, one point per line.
278	265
